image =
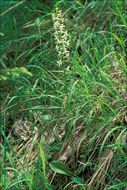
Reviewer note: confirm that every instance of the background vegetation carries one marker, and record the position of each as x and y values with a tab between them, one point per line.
63	95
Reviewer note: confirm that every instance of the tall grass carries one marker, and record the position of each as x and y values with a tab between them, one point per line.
63	95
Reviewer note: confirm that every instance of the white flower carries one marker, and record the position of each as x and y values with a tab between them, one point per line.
61	37
59	62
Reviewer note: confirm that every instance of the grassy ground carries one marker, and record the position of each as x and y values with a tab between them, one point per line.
63	95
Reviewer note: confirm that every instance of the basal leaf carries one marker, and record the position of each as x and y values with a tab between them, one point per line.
60	167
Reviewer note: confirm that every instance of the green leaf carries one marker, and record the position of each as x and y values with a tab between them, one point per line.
47	117
43	161
77	180
1	34
16	72
60	167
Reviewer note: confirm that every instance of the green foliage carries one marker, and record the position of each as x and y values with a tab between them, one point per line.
61	168
63	85
15	73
